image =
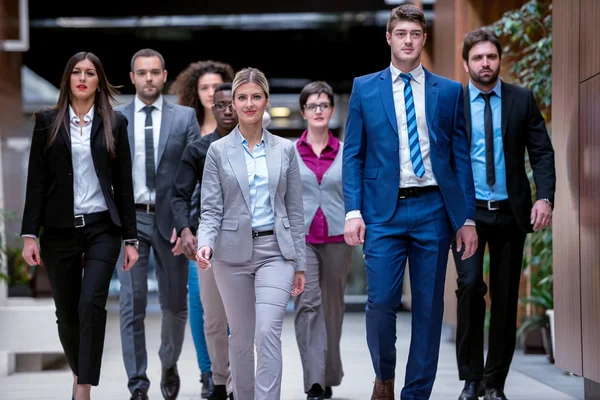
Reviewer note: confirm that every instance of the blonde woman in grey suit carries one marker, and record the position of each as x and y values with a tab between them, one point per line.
252	228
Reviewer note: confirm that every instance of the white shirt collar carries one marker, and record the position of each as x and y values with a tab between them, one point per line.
158	104
417	73
87	118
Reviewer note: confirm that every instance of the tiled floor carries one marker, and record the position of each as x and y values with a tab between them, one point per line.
357	382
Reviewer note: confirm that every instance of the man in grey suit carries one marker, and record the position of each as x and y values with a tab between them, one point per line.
158	132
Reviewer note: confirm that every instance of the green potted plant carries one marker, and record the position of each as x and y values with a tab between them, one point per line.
541	298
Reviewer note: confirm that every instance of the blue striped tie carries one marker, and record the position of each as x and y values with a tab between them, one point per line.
411	123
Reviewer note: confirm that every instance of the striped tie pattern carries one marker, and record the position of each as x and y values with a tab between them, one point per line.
411	123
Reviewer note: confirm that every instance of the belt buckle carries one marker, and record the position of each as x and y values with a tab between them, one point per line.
148	210
489	206
254	234
82	221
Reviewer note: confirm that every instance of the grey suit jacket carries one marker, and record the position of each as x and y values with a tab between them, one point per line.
225	223
178	127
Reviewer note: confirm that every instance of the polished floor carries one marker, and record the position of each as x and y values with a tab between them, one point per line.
357	384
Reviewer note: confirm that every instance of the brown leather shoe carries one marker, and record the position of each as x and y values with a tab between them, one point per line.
383	390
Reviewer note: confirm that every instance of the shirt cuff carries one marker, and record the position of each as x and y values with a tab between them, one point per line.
29	236
353	214
469	222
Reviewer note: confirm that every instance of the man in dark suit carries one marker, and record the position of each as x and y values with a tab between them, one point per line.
185	211
502	122
158	132
408	192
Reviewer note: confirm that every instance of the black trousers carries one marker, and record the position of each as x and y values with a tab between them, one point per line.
499	230
80	292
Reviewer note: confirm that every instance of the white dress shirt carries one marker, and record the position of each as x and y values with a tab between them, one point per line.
141	193
87	194
417	83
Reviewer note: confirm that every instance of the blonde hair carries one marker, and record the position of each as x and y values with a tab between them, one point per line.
250	75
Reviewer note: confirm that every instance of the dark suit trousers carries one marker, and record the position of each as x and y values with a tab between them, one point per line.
499	230
80	292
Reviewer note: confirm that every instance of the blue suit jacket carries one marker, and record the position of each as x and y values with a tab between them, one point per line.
371	168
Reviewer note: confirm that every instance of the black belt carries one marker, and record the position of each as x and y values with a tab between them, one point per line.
147	208
493	205
416	191
85	219
257	234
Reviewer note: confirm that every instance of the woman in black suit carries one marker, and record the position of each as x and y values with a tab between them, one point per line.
80	192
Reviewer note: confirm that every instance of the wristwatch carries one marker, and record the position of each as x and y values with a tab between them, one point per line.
548	201
132	242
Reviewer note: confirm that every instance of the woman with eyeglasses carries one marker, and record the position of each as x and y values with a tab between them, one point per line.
319	310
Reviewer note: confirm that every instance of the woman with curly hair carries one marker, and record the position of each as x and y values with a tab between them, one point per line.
195	87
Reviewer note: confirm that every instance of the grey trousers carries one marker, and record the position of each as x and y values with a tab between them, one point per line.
319	313
255	295
215	328
172	275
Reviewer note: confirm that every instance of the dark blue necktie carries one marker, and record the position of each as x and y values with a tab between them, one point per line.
411	124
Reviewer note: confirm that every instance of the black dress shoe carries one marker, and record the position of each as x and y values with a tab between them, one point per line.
328	393
139	394
473	390
494	394
219	393
316	392
170	383
207	384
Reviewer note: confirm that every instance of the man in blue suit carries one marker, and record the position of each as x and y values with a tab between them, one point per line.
409	193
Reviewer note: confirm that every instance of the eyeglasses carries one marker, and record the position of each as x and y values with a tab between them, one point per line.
224	106
312	107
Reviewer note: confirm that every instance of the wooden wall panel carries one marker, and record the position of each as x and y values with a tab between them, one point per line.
589	178
11	120
589	38
565	137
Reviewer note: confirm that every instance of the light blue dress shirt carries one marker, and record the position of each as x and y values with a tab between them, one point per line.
261	211
482	190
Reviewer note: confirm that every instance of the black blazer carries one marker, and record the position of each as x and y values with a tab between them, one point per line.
523	127
49	196
185	200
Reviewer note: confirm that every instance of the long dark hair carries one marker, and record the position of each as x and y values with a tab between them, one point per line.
186	83
102	102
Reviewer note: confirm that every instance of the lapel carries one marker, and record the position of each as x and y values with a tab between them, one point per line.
431	101
129	113
507	102
64	132
467	109
387	97
273	154
165	129
237	160
95	127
